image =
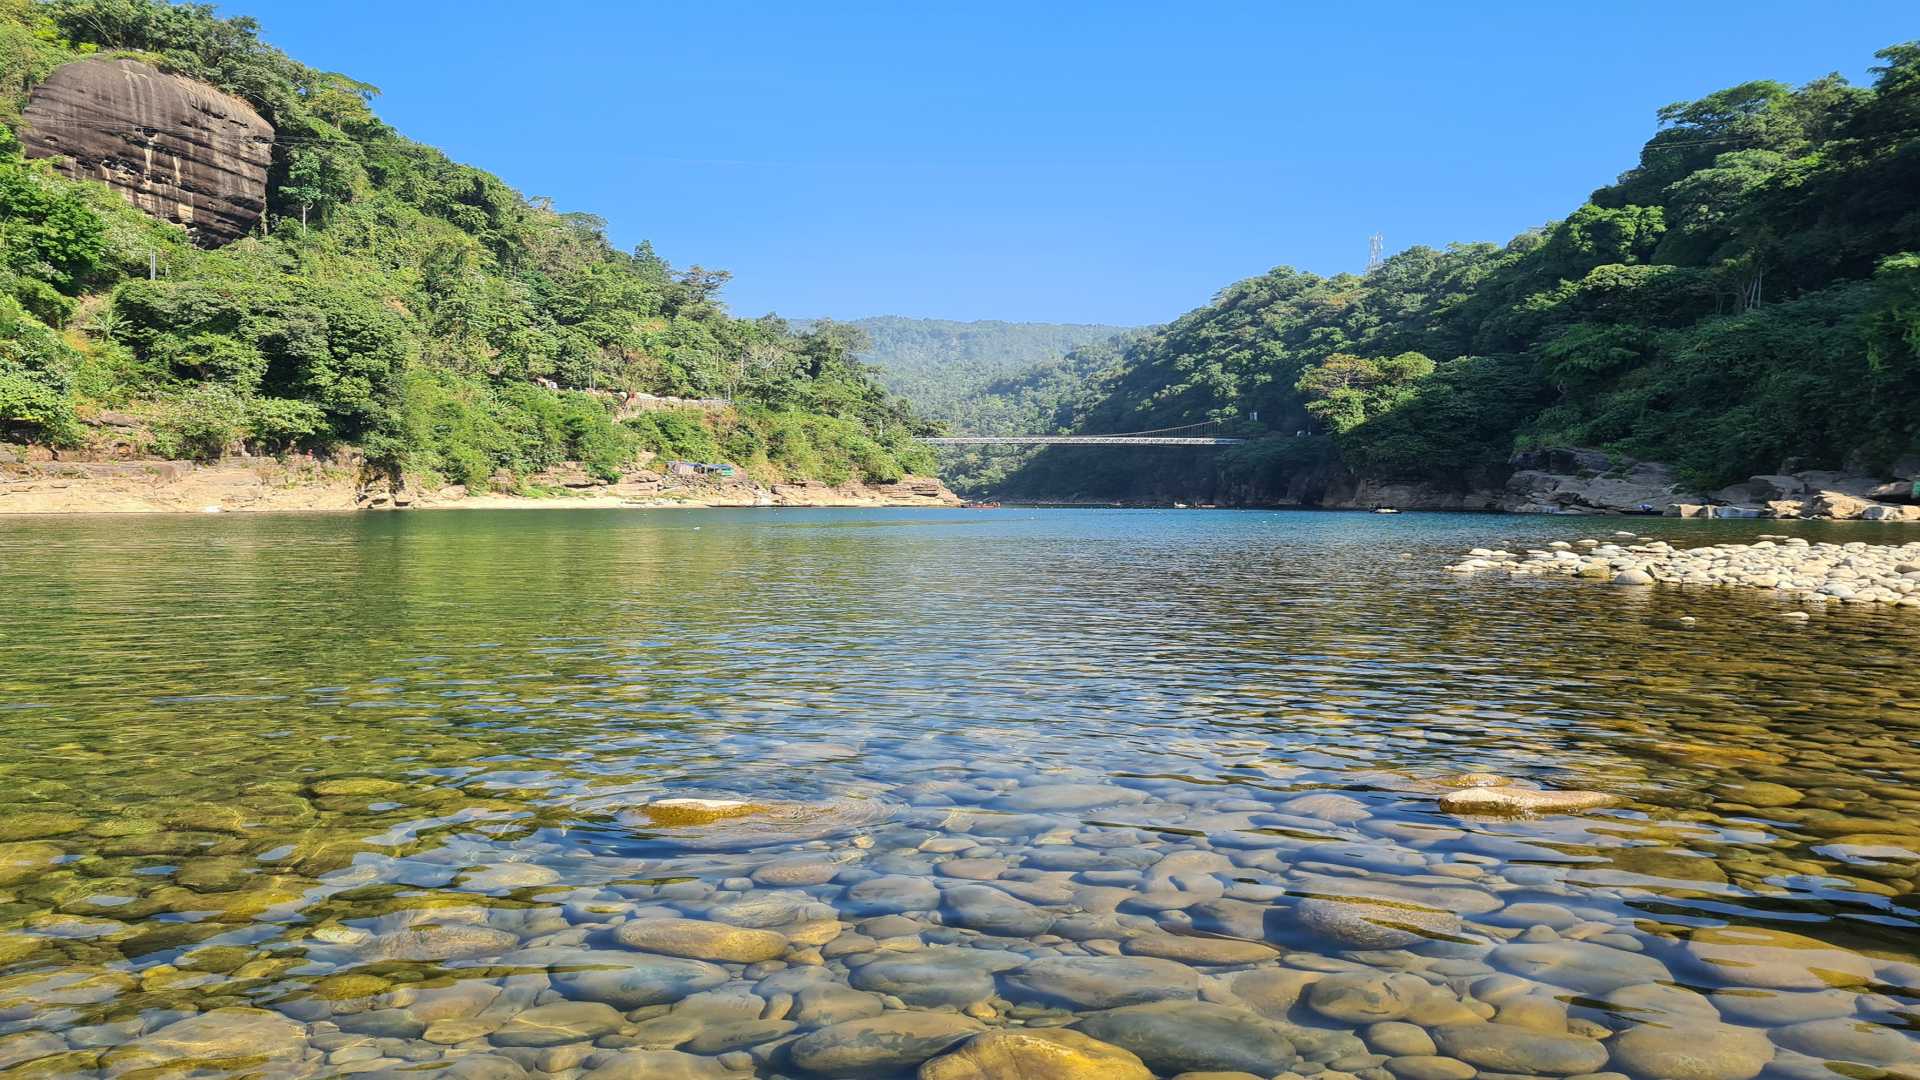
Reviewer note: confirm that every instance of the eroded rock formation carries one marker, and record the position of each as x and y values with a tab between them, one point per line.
178	149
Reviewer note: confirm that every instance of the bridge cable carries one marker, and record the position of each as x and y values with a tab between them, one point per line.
1153	431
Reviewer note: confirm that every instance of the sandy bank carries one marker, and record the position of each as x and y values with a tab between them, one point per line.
265	485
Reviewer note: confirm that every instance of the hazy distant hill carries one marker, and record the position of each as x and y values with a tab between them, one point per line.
940	365
991	378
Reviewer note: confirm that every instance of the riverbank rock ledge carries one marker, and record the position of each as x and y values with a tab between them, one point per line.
1855	573
1582	481
178	149
1577	480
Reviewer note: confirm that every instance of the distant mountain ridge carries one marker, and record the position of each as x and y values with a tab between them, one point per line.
941	365
990	377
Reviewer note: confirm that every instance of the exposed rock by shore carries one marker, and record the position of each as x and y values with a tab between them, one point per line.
1586	481
154	486
33	483
1592	482
1583	481
1855	573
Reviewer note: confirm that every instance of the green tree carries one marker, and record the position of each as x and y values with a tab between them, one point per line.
1344	391
47	231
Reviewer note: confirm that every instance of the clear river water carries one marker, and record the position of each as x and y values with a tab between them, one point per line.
408	795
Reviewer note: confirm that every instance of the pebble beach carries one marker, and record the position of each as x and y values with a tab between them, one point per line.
1816	573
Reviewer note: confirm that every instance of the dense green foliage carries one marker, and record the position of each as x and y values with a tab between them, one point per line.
392	299
1748	293
780	443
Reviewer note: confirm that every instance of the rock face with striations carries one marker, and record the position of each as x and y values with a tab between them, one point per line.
178	149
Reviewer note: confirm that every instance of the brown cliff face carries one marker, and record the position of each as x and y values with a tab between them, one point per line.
178	149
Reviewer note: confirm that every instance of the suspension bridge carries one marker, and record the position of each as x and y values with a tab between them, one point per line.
1156	437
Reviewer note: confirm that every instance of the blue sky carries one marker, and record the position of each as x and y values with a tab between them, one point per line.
1071	162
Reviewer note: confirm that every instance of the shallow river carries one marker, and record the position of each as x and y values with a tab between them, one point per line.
324	795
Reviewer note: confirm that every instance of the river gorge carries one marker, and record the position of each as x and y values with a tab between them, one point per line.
884	792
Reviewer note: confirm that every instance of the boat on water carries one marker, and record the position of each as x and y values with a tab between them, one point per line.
1385	510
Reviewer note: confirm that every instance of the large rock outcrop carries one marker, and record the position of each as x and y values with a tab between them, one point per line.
1579	480
178	149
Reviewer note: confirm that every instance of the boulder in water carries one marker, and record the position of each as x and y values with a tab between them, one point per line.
698	939
1174	1037
1692	1051
1520	800
1050	1053
1363	922
1774	959
1503	1048
880	1045
239	1039
669	813
1580	966
1101	982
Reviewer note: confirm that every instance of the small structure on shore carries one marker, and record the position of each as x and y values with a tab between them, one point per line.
695	469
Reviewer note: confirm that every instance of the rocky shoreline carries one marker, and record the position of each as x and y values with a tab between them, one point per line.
1590	482
1587	481
41	485
1856	573
1575	483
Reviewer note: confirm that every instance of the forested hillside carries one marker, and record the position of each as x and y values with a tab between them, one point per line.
1748	293
390	299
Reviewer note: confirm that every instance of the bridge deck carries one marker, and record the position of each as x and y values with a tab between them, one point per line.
1074	440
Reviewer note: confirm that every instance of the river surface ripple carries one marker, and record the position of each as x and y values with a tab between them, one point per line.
330	795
